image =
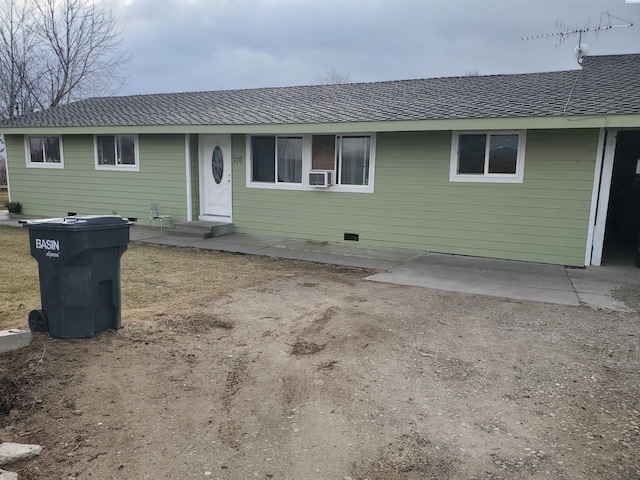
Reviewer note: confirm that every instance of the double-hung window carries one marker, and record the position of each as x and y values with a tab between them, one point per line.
276	159
44	151
488	156
116	152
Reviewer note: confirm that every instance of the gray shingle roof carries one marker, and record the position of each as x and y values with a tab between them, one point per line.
605	85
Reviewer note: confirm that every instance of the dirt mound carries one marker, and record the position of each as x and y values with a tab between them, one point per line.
302	347
410	457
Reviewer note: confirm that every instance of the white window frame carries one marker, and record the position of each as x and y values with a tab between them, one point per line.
338	165
276	137
487	177
128	168
306	165
44	164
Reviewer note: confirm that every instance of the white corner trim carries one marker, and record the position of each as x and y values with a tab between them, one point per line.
594	197
200	175
486	177
6	167
187	161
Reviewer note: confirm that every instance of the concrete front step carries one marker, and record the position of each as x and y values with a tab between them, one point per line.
200	229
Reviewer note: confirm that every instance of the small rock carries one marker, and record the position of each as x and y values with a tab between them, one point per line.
4	475
12	452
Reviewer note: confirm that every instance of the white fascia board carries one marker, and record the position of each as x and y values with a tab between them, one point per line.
517	123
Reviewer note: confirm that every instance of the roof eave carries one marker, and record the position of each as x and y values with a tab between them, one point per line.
508	123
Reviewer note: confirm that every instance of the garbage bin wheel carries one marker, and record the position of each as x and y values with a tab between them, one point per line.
38	322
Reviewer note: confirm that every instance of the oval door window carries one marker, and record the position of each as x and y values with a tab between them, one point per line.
217	164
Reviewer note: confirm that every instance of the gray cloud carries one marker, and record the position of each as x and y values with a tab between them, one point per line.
206	45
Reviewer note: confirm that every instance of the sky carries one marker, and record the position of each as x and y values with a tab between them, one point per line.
191	45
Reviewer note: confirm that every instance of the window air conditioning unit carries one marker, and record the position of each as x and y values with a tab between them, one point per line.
320	178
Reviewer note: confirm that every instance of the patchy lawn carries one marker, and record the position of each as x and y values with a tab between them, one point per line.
233	367
4	198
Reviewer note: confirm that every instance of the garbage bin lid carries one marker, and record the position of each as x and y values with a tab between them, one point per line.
97	220
78	222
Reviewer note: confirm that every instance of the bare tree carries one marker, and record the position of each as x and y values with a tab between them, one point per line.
56	51
80	51
17	52
17	49
331	77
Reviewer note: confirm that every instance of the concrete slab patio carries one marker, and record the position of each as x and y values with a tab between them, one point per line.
609	287
484	276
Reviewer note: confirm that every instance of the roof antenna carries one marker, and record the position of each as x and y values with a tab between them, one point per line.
582	49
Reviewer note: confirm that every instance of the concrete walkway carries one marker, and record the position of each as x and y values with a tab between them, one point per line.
322	252
611	288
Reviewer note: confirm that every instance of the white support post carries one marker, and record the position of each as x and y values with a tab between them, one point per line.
594	196
187	157
603	197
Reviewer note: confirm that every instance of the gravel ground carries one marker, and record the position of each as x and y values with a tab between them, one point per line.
289	370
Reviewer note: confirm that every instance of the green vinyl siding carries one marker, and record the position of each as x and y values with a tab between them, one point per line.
414	205
543	219
82	189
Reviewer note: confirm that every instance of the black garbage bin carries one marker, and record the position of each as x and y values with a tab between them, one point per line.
79	266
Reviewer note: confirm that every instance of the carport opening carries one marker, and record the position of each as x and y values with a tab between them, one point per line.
622	232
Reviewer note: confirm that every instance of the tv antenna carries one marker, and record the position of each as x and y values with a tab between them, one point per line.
582	49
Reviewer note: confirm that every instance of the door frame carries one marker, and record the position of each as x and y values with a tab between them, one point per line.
201	182
600	196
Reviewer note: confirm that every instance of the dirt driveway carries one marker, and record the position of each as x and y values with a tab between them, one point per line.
240	367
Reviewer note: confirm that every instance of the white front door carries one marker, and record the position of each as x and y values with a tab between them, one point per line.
215	174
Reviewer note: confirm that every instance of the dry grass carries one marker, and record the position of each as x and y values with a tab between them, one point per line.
4	198
161	285
170	287
19	291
